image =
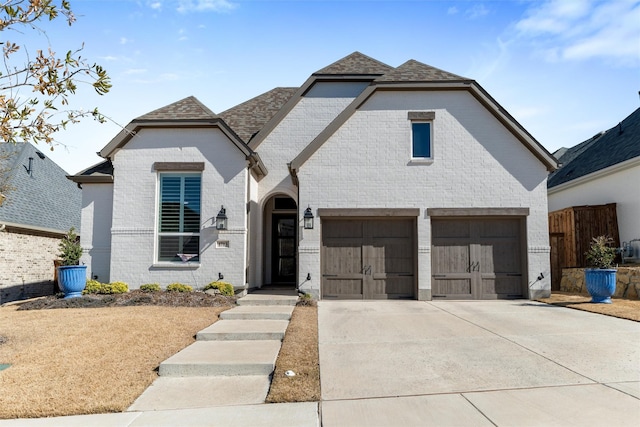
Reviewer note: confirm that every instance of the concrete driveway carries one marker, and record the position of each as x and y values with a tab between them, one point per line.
474	363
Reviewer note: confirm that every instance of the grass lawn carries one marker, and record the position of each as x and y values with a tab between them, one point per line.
88	360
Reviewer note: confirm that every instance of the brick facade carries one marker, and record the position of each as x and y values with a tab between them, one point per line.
30	273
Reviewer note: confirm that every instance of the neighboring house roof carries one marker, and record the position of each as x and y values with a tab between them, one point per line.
617	145
40	197
248	118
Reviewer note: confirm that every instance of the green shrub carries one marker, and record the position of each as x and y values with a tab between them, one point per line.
601	253
93	287
150	287
225	288
179	287
118	288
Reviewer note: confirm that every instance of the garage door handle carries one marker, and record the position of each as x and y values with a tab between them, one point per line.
439	276
514	275
329	275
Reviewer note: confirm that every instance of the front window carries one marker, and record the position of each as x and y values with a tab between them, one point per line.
421	137
179	218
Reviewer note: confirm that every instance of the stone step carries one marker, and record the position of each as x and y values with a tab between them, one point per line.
258	312
207	358
237	330
201	392
266	299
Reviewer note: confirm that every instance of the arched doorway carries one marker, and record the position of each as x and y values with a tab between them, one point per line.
281	241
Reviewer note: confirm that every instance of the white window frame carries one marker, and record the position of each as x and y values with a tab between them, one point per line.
418	117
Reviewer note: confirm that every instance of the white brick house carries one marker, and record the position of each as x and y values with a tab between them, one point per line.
420	186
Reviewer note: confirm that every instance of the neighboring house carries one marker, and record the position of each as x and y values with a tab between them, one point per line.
41	205
368	181
602	170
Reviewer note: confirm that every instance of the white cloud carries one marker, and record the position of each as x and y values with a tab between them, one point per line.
185	6
477	11
584	29
109	58
156	5
124	40
452	10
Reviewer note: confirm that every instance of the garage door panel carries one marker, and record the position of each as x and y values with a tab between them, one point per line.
451	257
457	288
490	253
502	287
383	248
342	288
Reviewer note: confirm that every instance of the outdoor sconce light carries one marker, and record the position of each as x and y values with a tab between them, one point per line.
308	219
220	276
221	219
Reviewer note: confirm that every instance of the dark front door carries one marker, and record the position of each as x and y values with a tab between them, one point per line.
283	249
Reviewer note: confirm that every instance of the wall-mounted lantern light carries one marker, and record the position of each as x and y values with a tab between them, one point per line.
221	219
220	276
308	219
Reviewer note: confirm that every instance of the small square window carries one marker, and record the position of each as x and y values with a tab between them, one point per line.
421	140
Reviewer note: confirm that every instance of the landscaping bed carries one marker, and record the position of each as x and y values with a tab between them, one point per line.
620	307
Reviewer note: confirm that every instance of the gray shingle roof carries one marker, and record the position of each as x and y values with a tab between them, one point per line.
618	144
355	64
188	108
248	118
44	198
414	71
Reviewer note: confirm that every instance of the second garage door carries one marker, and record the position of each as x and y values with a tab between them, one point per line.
368	258
477	258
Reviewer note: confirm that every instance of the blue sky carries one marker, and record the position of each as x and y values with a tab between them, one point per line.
565	69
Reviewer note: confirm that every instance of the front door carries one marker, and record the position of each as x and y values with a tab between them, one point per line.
283	250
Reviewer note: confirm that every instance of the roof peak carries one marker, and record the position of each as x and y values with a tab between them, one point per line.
355	63
416	71
189	108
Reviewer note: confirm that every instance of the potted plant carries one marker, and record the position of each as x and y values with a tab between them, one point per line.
72	277
601	279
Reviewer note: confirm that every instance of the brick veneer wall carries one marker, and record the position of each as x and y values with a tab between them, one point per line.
27	265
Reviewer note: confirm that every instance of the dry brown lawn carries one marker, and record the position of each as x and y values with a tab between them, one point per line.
622	308
299	353
88	360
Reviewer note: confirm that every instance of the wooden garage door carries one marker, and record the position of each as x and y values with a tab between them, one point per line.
368	258
477	258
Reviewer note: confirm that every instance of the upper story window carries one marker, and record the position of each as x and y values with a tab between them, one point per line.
179	217
421	134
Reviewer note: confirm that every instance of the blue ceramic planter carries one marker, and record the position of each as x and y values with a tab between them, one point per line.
72	280
601	284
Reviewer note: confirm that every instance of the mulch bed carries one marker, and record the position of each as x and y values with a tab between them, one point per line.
132	298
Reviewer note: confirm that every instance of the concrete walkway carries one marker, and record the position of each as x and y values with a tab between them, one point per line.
503	363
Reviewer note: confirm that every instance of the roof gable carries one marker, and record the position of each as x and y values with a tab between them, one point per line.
188	108
616	145
355	64
414	71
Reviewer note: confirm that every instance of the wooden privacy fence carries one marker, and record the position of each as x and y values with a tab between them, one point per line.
570	233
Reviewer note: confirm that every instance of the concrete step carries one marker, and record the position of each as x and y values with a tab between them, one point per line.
268	299
202	392
258	312
237	330
208	358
